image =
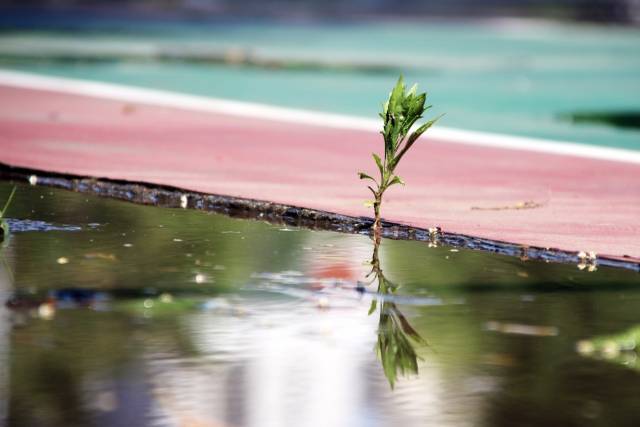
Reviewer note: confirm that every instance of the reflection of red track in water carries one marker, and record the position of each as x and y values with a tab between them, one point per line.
524	197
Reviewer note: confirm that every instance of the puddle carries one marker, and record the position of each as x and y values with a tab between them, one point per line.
168	316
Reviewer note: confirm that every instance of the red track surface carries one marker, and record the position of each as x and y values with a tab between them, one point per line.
584	204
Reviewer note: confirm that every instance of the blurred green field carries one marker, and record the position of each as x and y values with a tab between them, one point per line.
501	76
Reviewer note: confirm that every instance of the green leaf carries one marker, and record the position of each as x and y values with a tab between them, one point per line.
385	108
7	203
363	175
396	180
422	129
413	90
396	96
374	304
378	161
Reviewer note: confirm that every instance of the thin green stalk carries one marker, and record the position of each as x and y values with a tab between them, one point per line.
7	203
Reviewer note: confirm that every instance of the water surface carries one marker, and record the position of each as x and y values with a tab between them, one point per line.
119	314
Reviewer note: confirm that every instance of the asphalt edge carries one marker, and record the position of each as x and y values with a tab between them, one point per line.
173	197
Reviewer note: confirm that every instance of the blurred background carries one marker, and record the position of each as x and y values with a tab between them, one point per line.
607	11
564	70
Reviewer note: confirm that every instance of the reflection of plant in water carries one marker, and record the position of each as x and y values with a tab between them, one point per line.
396	337
4	232
4	227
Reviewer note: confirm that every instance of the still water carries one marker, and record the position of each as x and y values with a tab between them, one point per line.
115	314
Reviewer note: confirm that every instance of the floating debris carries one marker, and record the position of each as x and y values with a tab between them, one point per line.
101	256
434	236
63	260
585	347
587	260
323	303
528	204
499	359
46	311
520	329
166	298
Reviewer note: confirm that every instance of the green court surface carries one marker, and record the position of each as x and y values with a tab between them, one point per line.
505	76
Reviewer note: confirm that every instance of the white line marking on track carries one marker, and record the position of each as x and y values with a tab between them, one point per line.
289	115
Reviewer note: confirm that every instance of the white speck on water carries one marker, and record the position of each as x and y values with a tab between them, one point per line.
46	311
323	302
63	260
128	245
148	303
33	180
200	278
177	240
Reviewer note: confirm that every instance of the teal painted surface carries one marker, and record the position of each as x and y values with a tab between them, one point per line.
508	78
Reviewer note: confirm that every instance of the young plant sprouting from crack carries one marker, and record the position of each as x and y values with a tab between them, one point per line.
401	111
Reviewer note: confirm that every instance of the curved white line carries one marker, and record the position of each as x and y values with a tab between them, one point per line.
290	115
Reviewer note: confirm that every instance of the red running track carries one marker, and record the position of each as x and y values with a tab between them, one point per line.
577	203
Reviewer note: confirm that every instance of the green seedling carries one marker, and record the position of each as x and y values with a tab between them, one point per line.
399	114
4	226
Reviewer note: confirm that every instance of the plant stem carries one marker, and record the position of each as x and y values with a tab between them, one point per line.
7	203
376	209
